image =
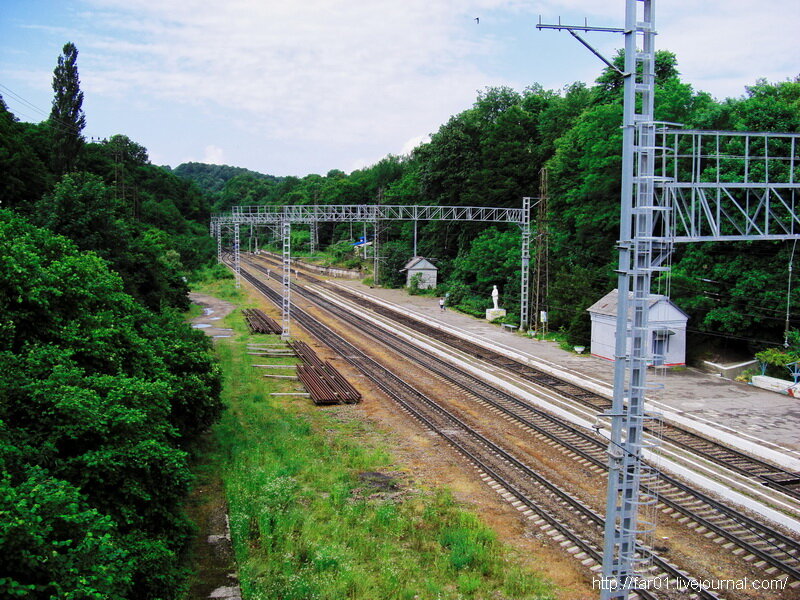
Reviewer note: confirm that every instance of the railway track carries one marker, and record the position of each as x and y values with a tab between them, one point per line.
776	551
764	472
565	517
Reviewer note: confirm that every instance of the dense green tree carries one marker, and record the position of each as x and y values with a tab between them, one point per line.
23	175
769	107
584	172
84	209
611	82
103	391
66	116
54	545
213	178
396	254
733	288
449	160
493	258
99	400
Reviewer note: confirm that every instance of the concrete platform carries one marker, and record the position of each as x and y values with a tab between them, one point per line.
735	412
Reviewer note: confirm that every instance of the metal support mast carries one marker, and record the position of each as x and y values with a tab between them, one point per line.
638	252
636	265
286	229
684	202
524	305
542	256
237	266
376	252
218	235
376	242
313	238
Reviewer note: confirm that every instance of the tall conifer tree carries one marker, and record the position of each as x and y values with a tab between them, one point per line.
66	117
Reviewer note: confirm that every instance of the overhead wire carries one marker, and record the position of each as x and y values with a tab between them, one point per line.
58	123
22	100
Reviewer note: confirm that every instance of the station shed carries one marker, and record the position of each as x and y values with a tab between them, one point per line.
666	322
426	270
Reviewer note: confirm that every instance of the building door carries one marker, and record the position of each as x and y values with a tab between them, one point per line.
660	347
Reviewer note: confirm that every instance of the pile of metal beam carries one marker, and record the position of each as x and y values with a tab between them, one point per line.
325	384
306	354
259	322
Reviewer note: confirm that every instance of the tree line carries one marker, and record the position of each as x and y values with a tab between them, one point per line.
492	153
105	390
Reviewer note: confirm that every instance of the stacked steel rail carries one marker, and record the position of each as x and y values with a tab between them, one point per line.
259	322
325	384
306	354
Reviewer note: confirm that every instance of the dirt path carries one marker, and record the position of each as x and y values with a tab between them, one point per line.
213	561
214	309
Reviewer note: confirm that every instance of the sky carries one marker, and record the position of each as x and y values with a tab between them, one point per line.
291	87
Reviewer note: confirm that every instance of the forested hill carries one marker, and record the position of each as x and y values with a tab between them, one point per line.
492	154
212	178
149	224
104	389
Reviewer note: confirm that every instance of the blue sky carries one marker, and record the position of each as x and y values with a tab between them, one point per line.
305	86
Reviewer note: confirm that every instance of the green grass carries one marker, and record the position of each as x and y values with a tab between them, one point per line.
307	523
195	310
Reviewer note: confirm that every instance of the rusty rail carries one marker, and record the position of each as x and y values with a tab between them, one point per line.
259	322
325	384
306	354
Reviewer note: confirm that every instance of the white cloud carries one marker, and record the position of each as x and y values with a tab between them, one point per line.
214	155
318	70
723	45
316	84
414	142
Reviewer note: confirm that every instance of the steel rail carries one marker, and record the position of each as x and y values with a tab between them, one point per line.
764	472
764	534
355	356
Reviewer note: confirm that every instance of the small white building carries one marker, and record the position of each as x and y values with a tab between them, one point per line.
667	324
425	269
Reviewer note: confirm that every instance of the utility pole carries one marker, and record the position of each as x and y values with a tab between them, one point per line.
542	258
376	241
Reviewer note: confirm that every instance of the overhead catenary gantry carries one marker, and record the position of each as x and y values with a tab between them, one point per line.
286	215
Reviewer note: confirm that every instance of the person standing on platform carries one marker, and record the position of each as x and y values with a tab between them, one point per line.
441	304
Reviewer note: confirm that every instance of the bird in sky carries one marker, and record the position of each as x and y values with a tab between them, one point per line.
477	19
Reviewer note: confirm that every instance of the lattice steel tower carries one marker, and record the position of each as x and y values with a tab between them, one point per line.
640	251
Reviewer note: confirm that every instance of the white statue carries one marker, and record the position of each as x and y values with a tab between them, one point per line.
495	296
